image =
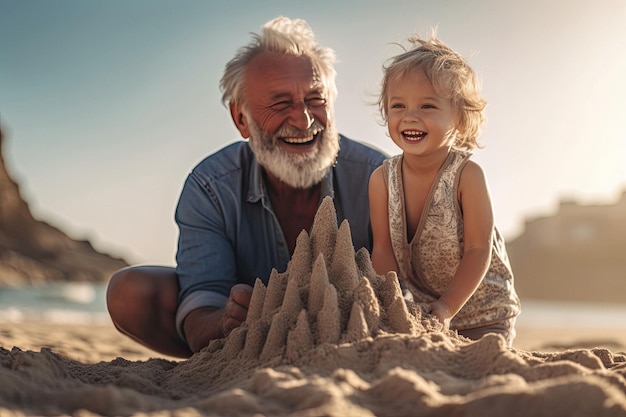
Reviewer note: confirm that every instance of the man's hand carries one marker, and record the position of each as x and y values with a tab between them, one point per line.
236	308
208	323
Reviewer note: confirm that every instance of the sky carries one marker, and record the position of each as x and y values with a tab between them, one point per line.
106	106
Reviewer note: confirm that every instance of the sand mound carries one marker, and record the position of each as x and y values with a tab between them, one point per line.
326	337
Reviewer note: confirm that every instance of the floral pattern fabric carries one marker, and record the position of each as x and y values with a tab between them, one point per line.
429	261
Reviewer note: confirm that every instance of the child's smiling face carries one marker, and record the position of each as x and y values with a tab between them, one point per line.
419	120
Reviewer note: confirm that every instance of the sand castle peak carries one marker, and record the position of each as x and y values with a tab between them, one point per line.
329	293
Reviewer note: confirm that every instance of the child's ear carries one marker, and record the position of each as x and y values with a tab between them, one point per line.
240	119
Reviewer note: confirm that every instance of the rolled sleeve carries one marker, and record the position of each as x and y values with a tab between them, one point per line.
194	301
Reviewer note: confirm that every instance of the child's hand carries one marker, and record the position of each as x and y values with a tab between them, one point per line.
441	310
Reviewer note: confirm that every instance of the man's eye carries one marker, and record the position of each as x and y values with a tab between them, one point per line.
281	105
316	102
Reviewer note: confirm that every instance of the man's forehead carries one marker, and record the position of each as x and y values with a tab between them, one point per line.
277	90
271	67
276	76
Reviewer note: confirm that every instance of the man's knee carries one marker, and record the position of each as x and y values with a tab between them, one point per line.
141	287
119	290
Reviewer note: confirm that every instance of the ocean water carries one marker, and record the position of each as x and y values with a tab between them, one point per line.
84	303
79	303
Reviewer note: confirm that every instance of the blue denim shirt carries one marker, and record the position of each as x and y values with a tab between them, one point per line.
228	232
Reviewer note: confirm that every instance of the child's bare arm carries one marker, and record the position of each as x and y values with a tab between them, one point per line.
383	259
478	229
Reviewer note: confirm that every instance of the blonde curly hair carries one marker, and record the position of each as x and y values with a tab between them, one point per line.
451	78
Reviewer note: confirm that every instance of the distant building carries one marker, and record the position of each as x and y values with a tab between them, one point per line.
577	254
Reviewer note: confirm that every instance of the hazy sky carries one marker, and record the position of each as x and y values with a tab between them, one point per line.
107	105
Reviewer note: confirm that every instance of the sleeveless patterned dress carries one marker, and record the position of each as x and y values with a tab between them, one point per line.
428	263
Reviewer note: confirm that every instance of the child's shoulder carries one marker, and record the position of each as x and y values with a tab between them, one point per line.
392	160
472	171
380	175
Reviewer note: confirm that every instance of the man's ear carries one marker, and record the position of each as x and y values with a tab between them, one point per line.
241	122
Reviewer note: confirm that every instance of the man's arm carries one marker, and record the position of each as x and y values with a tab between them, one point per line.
207	323
205	266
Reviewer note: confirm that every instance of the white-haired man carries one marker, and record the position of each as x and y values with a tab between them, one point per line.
242	208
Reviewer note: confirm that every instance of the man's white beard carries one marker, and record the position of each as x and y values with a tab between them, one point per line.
296	170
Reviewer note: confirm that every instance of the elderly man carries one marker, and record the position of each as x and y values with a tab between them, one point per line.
242	208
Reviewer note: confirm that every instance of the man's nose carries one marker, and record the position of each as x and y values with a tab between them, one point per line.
301	116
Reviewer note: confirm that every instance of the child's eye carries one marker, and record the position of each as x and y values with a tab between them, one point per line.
428	106
397	106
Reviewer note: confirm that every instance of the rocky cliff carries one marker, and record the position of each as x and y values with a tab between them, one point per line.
34	252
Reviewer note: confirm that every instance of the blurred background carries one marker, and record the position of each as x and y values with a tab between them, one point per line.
105	107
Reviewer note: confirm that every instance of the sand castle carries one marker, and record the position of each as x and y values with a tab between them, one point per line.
328	294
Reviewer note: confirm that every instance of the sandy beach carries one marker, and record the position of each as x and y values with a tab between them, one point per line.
102	342
328	337
61	369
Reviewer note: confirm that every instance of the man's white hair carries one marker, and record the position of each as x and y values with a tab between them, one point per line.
285	36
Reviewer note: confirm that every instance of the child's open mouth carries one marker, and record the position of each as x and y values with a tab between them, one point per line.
414	135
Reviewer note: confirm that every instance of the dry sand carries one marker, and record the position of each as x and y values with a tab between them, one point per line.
328	337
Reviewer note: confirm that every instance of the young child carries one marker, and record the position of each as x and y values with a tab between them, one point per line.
430	206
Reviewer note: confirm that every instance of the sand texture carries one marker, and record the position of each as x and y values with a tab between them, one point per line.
327	337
